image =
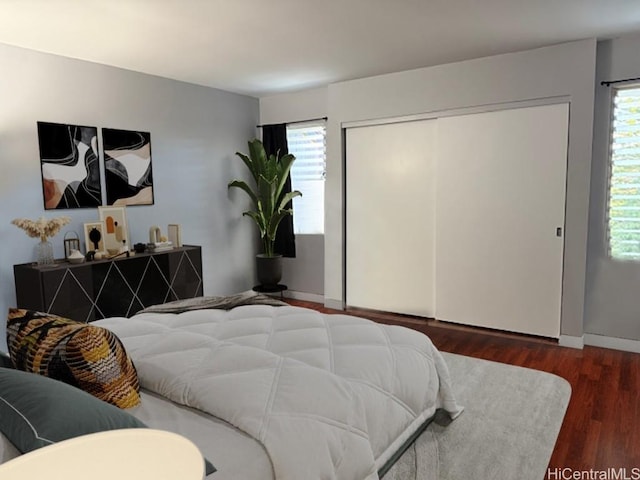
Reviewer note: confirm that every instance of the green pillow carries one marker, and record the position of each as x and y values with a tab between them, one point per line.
36	411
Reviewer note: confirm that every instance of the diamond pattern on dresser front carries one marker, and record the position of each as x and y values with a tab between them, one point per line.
105	288
114	292
154	287
72	297
186	281
133	270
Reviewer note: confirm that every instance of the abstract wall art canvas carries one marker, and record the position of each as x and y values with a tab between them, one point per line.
69	164
127	164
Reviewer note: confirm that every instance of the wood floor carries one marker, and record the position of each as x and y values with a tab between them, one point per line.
601	429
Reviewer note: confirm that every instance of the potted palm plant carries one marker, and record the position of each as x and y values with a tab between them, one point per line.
269	173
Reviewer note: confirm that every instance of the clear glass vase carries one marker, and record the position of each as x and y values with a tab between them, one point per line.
44	252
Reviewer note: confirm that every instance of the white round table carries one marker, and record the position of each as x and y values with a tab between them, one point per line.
128	454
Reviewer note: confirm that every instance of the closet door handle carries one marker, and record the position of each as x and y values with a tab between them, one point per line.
558	231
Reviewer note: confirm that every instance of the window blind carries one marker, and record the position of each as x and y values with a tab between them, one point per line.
624	183
307	143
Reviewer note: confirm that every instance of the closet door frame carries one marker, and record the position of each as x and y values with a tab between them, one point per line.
344	126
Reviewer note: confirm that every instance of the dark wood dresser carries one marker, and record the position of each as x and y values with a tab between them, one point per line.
107	288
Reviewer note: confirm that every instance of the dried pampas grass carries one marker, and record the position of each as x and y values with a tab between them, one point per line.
41	228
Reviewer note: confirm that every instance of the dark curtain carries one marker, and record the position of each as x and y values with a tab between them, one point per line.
274	138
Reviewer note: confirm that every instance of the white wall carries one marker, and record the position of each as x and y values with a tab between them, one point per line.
195	132
566	70
613	286
304	275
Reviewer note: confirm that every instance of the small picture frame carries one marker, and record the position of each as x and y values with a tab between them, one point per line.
175	235
116	232
94	236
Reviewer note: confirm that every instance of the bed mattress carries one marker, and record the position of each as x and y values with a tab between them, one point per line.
285	392
234	453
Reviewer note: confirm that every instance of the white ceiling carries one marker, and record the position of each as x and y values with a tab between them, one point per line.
263	47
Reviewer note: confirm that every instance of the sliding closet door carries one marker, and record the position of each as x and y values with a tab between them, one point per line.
500	218
390	217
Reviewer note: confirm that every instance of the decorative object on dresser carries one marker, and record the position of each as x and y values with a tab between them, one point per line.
71	243
127	165
94	236
269	175
110	287
115	233
139	247
43	229
175	234
157	241
75	257
69	162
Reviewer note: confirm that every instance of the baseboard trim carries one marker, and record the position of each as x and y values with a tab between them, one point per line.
334	304
571	342
615	343
304	296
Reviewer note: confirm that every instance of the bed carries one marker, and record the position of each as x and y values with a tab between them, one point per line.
273	391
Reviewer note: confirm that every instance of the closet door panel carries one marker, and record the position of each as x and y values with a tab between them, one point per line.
390	214
500	199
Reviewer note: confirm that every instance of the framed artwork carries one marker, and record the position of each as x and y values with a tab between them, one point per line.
94	236
116	233
69	165
127	167
175	234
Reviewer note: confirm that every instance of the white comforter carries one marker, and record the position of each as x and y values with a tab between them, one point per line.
329	396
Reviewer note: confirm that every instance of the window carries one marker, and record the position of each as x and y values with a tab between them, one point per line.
624	182
307	142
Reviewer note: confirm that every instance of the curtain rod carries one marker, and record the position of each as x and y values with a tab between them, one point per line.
300	121
611	82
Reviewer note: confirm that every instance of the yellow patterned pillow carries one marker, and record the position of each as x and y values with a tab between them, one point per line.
89	357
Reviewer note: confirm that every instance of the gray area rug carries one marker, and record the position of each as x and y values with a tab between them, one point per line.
508	429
